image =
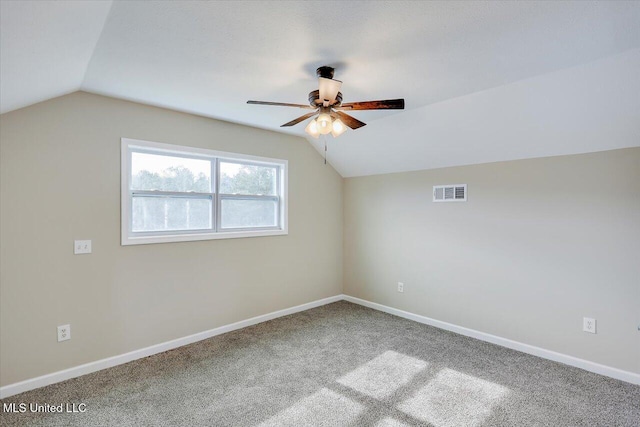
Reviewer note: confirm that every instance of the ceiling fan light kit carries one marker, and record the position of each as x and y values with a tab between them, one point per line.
327	105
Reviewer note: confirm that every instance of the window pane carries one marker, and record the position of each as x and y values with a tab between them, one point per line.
236	178
248	213
168	173
170	214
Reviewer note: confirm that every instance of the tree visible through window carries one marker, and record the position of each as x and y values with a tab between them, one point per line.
248	179
179	178
247	195
170	193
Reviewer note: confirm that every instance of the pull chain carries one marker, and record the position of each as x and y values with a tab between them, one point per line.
325	149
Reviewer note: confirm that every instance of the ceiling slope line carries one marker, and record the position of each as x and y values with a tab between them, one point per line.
93	51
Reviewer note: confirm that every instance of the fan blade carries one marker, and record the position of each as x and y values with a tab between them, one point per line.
352	122
329	89
299	119
388	104
282	104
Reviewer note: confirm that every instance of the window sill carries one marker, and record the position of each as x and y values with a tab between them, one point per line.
172	238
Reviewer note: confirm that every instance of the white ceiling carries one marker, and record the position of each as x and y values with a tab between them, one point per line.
483	81
45	48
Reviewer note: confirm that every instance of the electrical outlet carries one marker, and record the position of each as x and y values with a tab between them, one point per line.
64	332
400	287
81	247
589	325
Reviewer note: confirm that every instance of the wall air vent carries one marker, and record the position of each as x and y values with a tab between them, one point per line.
450	193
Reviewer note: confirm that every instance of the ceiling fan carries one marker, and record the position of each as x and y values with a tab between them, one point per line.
326	103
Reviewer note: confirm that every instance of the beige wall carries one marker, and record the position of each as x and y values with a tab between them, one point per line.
60	181
539	244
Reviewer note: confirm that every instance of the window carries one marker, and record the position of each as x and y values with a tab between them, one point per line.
172	193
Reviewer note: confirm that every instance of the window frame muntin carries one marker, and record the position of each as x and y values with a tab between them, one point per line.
128	237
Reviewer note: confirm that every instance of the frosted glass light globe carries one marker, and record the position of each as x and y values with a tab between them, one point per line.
324	123
337	128
312	128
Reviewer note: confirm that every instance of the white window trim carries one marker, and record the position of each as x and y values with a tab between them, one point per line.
127	237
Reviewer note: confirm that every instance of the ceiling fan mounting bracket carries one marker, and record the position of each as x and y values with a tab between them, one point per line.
325	71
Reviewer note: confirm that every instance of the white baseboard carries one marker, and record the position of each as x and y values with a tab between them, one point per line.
597	368
87	368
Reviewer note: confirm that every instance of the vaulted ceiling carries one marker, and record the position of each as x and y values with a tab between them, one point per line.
483	81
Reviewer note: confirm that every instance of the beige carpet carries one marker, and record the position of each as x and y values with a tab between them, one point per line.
336	365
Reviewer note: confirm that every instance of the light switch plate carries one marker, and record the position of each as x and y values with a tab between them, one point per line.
82	247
